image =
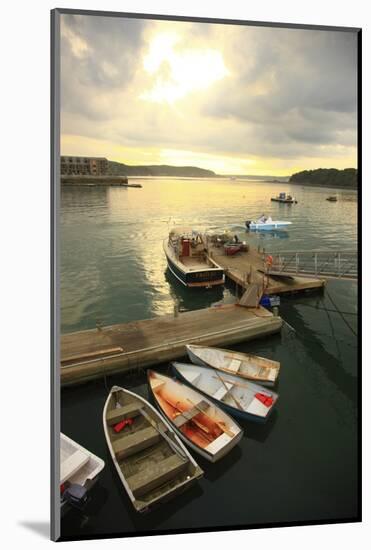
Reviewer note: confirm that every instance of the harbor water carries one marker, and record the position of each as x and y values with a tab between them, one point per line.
299	467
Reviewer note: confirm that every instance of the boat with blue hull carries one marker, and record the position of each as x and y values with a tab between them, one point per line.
188	259
265	223
237	397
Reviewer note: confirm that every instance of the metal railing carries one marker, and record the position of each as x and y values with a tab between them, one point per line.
317	263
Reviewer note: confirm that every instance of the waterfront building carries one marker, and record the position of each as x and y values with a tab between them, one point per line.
87	166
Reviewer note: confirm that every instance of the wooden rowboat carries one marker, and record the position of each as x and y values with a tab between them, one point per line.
206	428
151	461
238	397
252	367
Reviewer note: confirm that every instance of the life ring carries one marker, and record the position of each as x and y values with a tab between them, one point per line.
269	261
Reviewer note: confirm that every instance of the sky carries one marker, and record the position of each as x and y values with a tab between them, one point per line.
230	98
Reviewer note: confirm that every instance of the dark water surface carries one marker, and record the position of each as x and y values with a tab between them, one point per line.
301	465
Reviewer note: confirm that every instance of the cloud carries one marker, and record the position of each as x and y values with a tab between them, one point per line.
254	92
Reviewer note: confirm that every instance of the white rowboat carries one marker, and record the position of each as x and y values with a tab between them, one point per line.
251	367
239	398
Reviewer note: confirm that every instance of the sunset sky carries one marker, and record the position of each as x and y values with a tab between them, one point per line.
233	99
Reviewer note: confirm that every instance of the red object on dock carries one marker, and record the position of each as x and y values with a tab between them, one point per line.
231	249
267	400
121	425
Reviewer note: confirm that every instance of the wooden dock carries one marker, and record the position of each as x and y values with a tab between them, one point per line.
118	348
249	267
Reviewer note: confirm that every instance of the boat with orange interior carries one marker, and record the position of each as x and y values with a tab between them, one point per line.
204	426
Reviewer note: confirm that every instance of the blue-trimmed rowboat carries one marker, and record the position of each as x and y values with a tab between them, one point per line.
189	261
237	397
266	224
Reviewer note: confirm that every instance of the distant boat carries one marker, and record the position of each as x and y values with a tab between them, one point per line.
205	427
286	199
189	261
266	224
79	471
151	461
238	397
332	198
252	367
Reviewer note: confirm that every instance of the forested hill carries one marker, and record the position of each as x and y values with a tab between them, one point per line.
327	177
119	169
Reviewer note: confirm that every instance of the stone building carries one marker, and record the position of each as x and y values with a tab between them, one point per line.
87	166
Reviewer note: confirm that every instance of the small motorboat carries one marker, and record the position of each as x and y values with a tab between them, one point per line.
189	261
151	461
286	199
265	223
79	471
239	398
332	198
251	367
205	427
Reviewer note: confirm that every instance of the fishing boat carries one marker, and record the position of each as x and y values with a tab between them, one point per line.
151	461
283	198
265	223
251	367
189	261
205	427
239	398
332	198
79	471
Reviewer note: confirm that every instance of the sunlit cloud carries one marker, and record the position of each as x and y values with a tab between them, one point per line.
228	98
176	73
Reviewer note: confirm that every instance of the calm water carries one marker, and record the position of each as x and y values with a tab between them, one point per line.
300	466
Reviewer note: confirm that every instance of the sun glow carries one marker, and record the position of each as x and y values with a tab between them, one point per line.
178	72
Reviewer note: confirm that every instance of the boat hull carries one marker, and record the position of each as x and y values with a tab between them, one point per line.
284	201
267	226
232	411
195	278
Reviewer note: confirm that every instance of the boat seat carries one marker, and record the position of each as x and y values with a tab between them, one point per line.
234	365
129	410
183	418
72	464
222	391
132	443
155	475
193	377
156	384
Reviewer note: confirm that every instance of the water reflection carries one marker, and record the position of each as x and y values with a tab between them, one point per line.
187	299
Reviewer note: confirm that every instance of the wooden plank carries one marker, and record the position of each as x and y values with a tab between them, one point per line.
252	295
152	341
135	442
156	475
126	411
87	355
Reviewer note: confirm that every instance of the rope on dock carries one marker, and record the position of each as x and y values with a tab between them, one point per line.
341	314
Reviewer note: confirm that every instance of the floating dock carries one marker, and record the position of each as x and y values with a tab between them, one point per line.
249	266
118	348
